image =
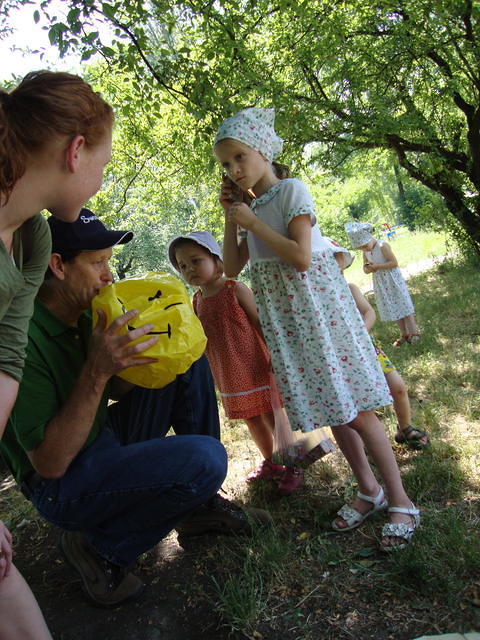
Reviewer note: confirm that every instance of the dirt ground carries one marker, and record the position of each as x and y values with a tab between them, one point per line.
160	614
177	604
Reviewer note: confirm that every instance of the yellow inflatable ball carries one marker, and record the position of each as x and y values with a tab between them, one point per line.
162	300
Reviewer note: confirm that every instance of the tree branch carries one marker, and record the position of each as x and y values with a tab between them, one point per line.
175	93
129	184
467	21
461	103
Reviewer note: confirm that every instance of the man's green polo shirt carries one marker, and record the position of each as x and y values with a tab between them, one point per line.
55	355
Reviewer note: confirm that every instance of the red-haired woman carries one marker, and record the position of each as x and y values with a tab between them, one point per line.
55	140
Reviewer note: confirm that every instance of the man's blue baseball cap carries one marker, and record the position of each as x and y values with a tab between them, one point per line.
87	233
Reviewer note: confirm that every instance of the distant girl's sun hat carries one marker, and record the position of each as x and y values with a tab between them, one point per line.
359	233
202	238
336	248
253	127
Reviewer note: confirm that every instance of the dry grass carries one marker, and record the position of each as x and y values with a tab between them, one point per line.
432	586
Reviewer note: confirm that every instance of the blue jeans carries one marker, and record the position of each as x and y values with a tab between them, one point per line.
188	404
131	486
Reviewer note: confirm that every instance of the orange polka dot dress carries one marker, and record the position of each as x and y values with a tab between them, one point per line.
236	352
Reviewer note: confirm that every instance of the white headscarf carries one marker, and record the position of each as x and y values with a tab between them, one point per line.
348	257
253	127
359	233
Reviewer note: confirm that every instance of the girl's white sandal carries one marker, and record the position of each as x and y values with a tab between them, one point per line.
354	518
400	529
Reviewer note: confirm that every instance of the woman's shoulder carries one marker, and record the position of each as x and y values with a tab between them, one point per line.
39	222
40	230
36	241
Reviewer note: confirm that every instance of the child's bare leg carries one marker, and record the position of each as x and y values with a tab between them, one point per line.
371	431
20	615
402	325
261	429
401	404
351	445
410	325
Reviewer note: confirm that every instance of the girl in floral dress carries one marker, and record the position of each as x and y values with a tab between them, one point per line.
407	434
391	293
323	358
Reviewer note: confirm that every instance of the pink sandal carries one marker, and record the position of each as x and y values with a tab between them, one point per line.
267	469
291	480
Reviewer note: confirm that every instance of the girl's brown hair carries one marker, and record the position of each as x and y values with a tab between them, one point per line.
45	105
281	170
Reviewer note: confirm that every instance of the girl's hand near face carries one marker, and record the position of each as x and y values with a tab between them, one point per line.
239	213
229	193
225	198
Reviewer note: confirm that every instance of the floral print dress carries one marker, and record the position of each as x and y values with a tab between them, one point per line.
322	355
391	293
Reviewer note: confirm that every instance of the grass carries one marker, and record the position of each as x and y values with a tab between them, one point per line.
15	510
439	572
455	545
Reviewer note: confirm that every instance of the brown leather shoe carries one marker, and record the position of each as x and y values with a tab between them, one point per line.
219	515
105	583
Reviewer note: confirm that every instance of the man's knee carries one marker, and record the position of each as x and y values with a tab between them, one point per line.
211	454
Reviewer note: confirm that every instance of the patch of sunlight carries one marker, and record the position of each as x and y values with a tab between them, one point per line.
7	483
467	426
464	436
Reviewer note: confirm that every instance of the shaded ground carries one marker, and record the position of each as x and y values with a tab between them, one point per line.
334	589
160	614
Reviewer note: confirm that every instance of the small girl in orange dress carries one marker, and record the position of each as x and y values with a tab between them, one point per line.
236	349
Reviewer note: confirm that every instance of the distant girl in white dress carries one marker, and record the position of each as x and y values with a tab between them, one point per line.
391	293
321	353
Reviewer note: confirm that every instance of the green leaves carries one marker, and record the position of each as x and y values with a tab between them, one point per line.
108	11
55	34
354	75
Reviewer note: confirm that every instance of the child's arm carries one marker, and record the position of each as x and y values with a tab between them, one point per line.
389	256
296	249
195	303
340	258
367	266
235	253
366	310
247	302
